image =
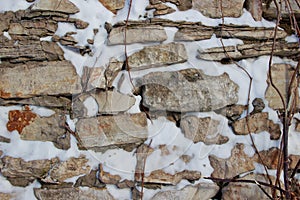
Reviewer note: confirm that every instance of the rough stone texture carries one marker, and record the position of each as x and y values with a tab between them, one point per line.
4	140
202	130
160	9
107	132
257	123
158	56
258	105
187	90
141	34
243	51
109	102
232	112
142	152
282	76
239	190
72	193
194	33
89	180
63	6
255	8
214	9
161	177
182	5
30	51
1	153
34	79
239	162
293	161
5	196
203	191
21	173
113	5
108	178
269	158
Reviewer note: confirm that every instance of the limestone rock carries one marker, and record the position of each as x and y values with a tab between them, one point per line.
182	5
109	102
6	18
258	105
194	33
21	173
255	8
239	162
269	10
113	5
297	126
141	34
230	8
203	191
243	51
269	158
161	177
293	161
5	196
72	193
158	56
69	168
4	140
257	123
202	130
63	6
282	76
232	112
89	180
160	9
187	90
36	79
108	178
103	132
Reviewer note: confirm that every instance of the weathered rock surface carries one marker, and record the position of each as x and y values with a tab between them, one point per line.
214	9
109	102
161	177
282	77
4	139
232	112
160	9
89	180
158	56
21	173
63	6
181	4
108	178
202	130
113	5
257	123
5	196
269	158
239	162
243	51
142	152
203	191
187	90
255	8
72	193
104	132
141	34
37	78
194	33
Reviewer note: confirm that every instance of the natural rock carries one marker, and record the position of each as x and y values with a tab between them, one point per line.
255	8
21	173
104	132
238	163
243	51
5	196
193	33
158	56
108	178
160	9
217	9
187	90
4	140
142	152
269	158
113	5
141	34
232	112
282	77
109	102
63	6
161	177
89	180
6	18
202	130
37	78
72	193
293	161
182	5
297	126
258	105
257	123
126	184
203	191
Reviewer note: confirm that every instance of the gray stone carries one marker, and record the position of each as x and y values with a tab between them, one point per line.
113	5
4	139
282	77
257	123
72	193
214	9
63	6
108	178
232	112
90	180
270	11
187	90
255	8
141	34
6	18
193	33
158	56
107	132
161	177
238	163
142	152
21	173
203	191
38	78
202	130
258	105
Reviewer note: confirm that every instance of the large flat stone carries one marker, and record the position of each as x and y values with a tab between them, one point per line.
158	56
38	78
63	6
107	132
187	90
113	5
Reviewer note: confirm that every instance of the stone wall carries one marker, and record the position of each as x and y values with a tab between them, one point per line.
82	118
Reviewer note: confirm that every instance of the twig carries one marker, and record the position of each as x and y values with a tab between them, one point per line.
295	169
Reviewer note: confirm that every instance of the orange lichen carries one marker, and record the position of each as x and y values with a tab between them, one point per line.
20	119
